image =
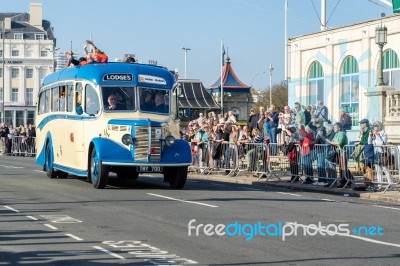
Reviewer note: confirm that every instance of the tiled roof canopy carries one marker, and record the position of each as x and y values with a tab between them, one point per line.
231	83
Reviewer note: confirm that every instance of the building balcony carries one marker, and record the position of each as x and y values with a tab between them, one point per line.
392	115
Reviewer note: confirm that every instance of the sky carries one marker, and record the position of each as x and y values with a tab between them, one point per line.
252	30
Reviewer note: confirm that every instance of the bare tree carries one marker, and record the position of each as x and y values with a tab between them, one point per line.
279	97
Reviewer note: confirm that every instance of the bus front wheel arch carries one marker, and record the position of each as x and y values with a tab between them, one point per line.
98	173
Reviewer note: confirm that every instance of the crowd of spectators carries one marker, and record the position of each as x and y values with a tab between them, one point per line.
303	125
26	135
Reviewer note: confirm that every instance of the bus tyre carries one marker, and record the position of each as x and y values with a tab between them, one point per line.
176	177
98	173
50	172
62	174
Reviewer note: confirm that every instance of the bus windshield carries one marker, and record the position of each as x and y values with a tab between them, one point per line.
154	100
118	98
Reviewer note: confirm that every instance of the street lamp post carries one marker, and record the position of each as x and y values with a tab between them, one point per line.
251	85
270	83
380	40
185	49
3	119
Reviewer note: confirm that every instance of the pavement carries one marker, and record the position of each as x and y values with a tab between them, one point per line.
248	179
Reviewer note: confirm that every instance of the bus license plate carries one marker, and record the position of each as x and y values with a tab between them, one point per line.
149	169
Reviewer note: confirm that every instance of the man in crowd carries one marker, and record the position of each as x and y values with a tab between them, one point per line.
322	111
345	120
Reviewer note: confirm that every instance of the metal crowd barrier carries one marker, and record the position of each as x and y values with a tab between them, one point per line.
23	146
381	169
326	162
386	166
215	157
279	161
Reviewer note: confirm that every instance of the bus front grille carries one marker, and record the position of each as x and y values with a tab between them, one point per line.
147	143
141	143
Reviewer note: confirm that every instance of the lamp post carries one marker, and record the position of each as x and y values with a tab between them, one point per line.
251	85
270	83
185	49
380	40
3	119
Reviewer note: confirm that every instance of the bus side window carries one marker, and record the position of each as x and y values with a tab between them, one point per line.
42	103
92	104
47	101
62	98
78	98
55	100
70	98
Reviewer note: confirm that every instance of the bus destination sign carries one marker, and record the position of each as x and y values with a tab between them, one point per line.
117	77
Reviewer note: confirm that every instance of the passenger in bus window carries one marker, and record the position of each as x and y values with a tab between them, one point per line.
120	101
160	103
148	103
62	99
78	108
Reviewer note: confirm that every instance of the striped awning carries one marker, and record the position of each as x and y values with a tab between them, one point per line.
194	95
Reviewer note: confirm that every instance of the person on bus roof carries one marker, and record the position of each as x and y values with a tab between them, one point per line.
98	55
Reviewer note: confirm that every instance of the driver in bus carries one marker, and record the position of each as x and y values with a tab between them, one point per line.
160	104
112	103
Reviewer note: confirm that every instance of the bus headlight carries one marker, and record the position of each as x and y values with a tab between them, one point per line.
169	140
127	139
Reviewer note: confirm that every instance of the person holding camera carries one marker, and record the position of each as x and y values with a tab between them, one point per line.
322	112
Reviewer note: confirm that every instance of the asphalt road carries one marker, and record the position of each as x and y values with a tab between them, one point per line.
68	222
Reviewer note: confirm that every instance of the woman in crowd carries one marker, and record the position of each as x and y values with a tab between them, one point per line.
308	138
378	138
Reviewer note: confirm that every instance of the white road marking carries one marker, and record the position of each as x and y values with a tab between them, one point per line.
329	200
386	207
109	252
11	209
50	254
74	237
51	227
291	194
32	218
186	201
40	171
10	166
59	219
349	235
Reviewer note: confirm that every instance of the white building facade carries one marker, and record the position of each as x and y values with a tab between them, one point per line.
26	53
339	66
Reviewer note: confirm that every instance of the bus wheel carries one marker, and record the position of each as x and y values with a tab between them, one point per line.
176	177
49	163
127	173
62	174
98	173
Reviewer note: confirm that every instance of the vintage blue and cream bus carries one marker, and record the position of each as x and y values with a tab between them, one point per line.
110	117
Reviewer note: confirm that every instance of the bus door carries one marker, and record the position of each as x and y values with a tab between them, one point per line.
58	106
73	130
